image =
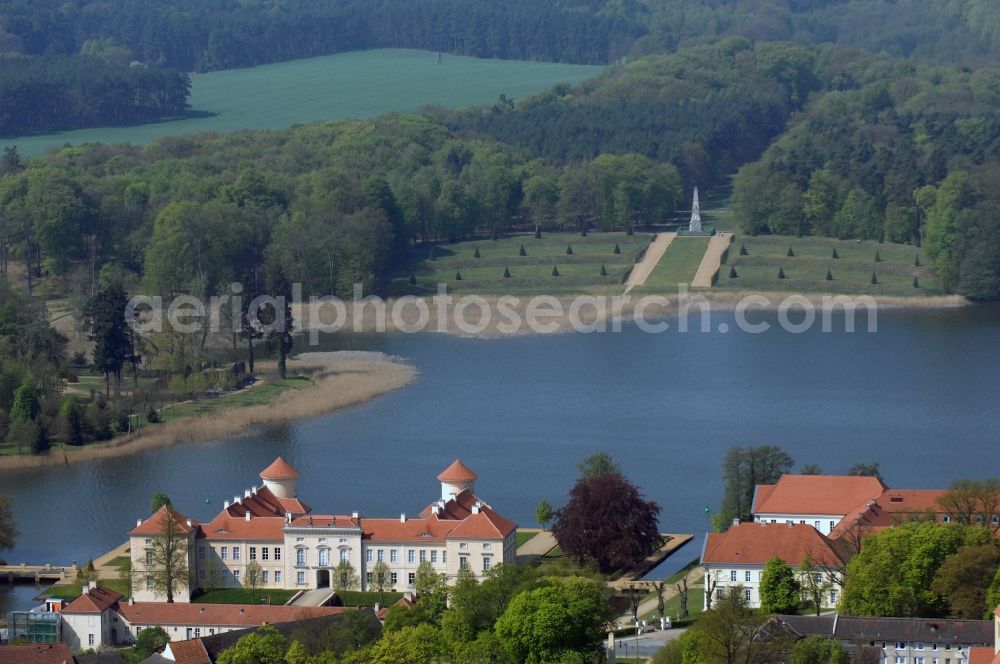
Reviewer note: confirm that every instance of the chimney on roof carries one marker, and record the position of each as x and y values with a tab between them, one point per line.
254	490
237	500
241	609
402	517
355	515
138	522
248	515
201	610
246	494
288	517
225	505
92	585
189	523
434	508
475	507
791	524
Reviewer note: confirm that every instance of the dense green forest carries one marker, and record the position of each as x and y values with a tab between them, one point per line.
214	34
57	93
906	154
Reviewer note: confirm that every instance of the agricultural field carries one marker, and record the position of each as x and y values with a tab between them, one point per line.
578	272
806	270
346	85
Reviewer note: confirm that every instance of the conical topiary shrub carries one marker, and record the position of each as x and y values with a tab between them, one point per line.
874	279
829	275
569	249
506	273
458	276
413	279
781	273
916	260
555	271
732	272
433	254
916	282
538	233
878	257
476	255
835	254
618	249
790	252
629	231
583	233
521	251
604	271
743	250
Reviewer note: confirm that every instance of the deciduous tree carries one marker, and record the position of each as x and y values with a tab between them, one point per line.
964	578
779	589
743	469
167	556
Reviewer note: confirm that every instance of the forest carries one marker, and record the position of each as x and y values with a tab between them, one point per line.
60	93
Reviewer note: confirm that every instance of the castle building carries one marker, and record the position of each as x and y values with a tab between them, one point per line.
297	549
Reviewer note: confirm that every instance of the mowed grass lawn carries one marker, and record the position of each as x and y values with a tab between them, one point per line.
579	272
257	395
358	84
806	270
273	596
678	265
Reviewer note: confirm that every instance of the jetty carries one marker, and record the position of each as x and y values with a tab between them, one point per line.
37	574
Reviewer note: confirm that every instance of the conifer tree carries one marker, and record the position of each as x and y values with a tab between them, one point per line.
604	271
732	272
781	273
829	275
555	271
506	273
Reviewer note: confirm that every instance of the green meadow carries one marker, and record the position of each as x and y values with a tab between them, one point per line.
358	84
806	270
578	272
678	265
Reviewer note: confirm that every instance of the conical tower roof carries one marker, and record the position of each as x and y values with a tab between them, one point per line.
457	472
279	470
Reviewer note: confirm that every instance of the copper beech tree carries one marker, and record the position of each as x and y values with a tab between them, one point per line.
607	521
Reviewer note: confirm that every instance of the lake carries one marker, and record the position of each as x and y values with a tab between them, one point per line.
920	396
359	84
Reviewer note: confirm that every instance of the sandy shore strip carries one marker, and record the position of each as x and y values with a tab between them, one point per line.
491	317
340	380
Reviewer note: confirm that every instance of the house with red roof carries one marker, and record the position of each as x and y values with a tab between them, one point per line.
295	548
734	560
90	621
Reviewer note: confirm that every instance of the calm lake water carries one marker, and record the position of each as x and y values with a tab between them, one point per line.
920	396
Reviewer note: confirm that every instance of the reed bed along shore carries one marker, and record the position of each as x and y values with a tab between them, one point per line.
338	380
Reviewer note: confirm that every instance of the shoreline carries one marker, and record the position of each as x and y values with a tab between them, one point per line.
313	320
340	380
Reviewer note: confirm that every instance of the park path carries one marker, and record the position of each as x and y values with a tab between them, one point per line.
317	597
648	605
538	545
640	273
711	261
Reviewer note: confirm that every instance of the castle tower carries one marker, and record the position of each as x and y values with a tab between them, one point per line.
456	478
280	477
695	226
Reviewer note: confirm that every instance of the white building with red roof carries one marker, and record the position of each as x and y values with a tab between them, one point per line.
297	549
734	560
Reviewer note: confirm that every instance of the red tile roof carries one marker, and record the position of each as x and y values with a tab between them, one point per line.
293	505
912	501
220	615
457	472
55	653
832	495
93	600
267	517
325	521
869	517
412	530
485	525
155	525
189	652
279	470
756	543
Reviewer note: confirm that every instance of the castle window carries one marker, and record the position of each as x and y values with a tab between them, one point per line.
277	553
263	553
392	555
345	555
224	551
263	576
236	553
410	556
277	576
253	553
434	556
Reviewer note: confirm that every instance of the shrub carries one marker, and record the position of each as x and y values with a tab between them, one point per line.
555	271
604	271
781	273
878	257
874	279
583	233
835	254
458	276
152	416
413	279
829	275
916	282
790	252
521	251
743	250
79	359
476	255
569	249
732	272
506	273
432	254
618	249
629	231
538	233
916	260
